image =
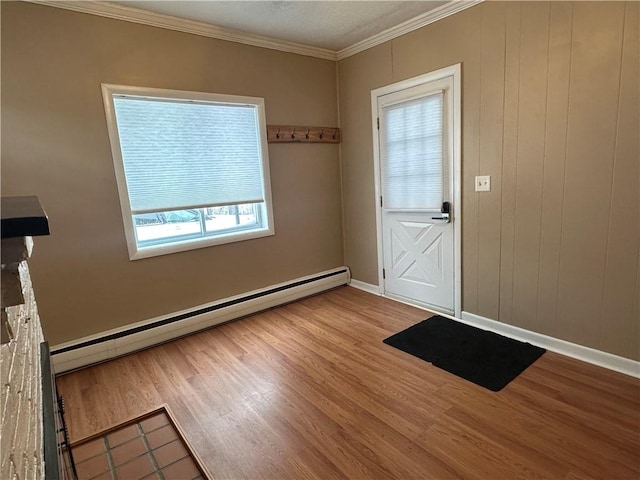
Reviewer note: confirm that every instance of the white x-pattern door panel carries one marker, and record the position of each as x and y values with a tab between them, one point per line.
420	264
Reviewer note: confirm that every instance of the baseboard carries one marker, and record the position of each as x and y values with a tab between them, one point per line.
580	352
367	287
121	341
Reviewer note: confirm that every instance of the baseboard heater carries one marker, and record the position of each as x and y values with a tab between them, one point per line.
114	343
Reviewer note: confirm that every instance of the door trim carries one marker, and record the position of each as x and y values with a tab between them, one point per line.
455	72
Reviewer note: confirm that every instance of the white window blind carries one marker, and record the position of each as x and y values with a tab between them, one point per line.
412	139
186	154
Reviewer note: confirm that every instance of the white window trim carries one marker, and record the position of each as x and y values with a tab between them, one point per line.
136	252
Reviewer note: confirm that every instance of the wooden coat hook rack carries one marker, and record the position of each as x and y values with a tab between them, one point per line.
292	134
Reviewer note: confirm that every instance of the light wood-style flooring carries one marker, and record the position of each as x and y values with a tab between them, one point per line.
308	390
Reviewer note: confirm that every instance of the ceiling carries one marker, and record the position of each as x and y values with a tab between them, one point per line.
332	25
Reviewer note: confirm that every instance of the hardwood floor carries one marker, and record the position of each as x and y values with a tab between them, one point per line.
308	390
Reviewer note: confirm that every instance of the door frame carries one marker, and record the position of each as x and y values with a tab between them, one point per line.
455	72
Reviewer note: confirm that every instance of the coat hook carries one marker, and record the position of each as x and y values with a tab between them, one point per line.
293	134
278	134
307	135
334	134
322	134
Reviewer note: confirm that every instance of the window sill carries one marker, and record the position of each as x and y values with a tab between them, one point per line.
138	253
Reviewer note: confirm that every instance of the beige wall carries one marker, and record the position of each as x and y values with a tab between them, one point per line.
55	145
550	111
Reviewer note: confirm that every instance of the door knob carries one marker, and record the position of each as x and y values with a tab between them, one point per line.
446	213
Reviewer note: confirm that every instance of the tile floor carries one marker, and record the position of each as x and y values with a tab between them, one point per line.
150	448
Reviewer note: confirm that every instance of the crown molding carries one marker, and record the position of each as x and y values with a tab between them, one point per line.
144	17
420	21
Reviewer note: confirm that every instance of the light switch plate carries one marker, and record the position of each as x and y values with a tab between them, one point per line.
483	183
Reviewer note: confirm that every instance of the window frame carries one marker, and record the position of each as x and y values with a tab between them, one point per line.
136	251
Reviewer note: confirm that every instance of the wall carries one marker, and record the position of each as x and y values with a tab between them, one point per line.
550	111
55	145
21	375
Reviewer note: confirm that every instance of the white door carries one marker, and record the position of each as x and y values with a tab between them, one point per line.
416	183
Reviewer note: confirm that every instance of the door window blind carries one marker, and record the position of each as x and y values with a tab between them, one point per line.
179	155
412	139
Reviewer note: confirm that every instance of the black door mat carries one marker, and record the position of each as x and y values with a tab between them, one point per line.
484	358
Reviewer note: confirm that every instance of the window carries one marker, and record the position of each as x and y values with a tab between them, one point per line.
192	168
412	144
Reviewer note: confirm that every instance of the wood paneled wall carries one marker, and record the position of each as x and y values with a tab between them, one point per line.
550	111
